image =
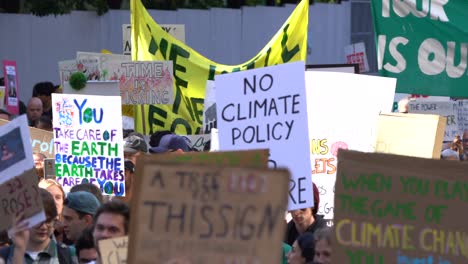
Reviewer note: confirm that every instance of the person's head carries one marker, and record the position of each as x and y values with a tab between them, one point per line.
171	143
403	105
34	110
78	213
39	164
134	146
56	190
85	250
89	187
111	220
44	90
40	234
305	217
323	249
44	123
449	154
129	173
303	249
5	115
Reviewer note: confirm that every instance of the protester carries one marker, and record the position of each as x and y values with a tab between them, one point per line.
44	123
78	213
449	154
305	220
286	249
39	164
34	110
465	144
44	90
323	249
129	179
36	245
91	188
303	250
5	115
169	143
54	188
111	221
403	105
85	250
134	146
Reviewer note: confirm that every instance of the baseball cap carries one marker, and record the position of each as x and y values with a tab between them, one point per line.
171	142
81	201
134	143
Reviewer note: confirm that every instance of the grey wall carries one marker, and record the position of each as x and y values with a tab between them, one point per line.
227	36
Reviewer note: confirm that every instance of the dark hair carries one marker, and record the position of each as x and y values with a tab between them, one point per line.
207	146
306	243
5	112
43	88
22	108
115	207
156	137
48	201
89	187
316	194
323	233
85	241
46	120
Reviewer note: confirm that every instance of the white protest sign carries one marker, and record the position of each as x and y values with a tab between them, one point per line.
101	66
448	109
209	108
89	142
266	108
19	191
177	31
338	120
66	69
356	54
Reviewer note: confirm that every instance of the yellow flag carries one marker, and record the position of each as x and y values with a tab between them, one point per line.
192	70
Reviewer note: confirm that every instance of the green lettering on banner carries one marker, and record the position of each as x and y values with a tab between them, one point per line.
424	44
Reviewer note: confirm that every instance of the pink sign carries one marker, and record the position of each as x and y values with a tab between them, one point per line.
11	87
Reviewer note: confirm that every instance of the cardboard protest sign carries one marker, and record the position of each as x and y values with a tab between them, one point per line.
266	108
10	73
114	250
89	142
337	121
42	141
175	30
19	191
206	214
396	209
448	109
413	135
246	159
146	82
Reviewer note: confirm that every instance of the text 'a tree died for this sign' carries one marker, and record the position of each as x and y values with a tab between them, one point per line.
208	214
396	209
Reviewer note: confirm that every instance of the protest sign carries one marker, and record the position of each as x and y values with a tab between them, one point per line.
114	250
345	68
198	142
423	44
206	214
448	109
209	110
343	110
10	74
19	191
356	53
462	114
246	159
177	31
88	141
269	111
2	96
66	69
410	135
104	88
101	66
42	141
191	70
145	82
396	209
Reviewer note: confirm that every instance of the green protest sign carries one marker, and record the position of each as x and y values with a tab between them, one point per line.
424	44
397	209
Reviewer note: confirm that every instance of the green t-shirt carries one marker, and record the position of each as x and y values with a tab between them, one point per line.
286	249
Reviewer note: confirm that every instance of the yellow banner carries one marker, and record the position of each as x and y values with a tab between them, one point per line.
192	70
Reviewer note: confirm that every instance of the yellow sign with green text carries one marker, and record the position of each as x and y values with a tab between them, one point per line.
192	70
